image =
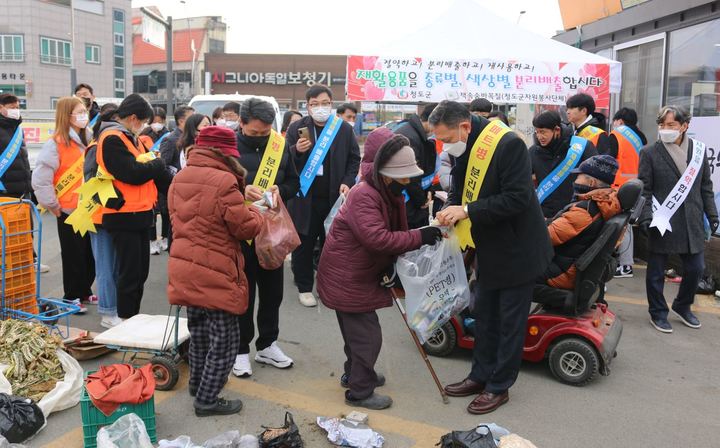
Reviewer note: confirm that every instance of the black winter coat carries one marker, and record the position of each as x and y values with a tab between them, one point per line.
510	235
426	157
603	143
169	152
344	157
287	176
545	159
17	177
659	175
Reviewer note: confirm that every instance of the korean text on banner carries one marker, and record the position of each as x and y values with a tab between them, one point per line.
377	78
705	129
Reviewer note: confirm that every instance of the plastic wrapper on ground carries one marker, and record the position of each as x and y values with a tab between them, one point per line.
343	432
127	432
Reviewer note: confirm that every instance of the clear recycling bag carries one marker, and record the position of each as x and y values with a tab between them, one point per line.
435	284
333	212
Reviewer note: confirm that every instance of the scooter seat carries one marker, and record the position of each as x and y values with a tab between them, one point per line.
551	297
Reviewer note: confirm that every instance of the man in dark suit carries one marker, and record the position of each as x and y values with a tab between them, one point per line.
511	240
676	178
334	177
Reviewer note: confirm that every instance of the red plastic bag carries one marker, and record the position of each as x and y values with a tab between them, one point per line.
277	238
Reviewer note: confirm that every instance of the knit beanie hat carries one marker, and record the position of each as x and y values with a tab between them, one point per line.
603	168
372	144
402	164
218	137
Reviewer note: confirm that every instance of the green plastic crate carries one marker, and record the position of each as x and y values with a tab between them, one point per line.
93	419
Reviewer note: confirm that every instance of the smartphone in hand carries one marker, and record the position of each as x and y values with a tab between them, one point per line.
304	133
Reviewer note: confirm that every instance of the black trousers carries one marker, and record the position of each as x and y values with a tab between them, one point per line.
214	337
132	249
500	323
693	267
269	286
78	264
363	339
302	257
165	223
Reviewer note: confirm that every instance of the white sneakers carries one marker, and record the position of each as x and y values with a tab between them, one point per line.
44	268
308	299
154	247
242	368
164	244
110	321
272	356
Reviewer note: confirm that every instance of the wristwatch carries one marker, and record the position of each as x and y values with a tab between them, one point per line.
465	209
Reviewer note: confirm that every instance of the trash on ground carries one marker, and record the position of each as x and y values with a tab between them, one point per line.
515	441
20	418
344	432
230	439
127	432
287	436
5	444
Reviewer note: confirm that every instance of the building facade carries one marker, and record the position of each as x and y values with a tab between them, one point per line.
36	49
285	77
193	39
670	53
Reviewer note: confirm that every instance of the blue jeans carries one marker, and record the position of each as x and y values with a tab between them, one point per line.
693	268
105	265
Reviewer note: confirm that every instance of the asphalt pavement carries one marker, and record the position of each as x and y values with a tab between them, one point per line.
663	390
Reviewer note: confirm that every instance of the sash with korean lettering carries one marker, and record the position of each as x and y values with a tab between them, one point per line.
630	136
270	163
94	120
318	153
590	132
427	181
478	163
156	145
662	213
10	153
69	178
562	171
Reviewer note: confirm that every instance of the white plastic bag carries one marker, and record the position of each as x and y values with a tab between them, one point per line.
180	442
127	432
435	284
333	212
342	432
66	393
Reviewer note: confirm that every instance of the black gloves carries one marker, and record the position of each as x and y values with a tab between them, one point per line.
714	224
430	235
389	279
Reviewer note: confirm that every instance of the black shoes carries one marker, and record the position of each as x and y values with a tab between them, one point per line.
221	407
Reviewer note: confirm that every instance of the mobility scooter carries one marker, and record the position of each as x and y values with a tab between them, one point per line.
576	333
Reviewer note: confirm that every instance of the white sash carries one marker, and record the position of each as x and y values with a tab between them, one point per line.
663	213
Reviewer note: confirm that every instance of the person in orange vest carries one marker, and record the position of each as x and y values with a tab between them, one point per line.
588	124
626	140
128	217
57	175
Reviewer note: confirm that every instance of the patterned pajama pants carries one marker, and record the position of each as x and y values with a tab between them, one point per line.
214	341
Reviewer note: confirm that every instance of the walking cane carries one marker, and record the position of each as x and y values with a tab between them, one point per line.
418	344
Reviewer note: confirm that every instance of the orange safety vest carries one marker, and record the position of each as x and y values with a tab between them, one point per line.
138	198
438	150
147	141
69	155
98	215
628	160
591	133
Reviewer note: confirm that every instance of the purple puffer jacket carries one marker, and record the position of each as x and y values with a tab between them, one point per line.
358	250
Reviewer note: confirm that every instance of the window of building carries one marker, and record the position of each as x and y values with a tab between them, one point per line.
694	69
642	79
92	54
55	51
216	46
15	89
53	102
119	52
11	47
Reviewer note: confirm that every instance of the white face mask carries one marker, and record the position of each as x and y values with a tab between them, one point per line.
220	122
669	135
231	124
321	114
81	120
455	149
157	127
351	123
13	114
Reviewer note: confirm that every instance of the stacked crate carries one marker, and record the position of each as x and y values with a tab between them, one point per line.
19	268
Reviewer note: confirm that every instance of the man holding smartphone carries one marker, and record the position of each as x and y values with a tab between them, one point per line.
327	158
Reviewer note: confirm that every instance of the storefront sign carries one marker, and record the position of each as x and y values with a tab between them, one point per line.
37	133
273	78
705	130
373	78
4	76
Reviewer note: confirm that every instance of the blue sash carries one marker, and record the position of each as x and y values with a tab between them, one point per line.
10	153
562	171
630	136
94	120
156	145
317	156
426	182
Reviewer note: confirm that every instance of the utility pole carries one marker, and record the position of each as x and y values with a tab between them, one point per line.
73	71
169	84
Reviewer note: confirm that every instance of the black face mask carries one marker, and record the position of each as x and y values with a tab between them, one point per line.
396	188
579	189
256	142
87	102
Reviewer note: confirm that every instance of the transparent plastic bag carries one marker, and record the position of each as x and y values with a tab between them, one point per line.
127	432
435	284
277	238
333	212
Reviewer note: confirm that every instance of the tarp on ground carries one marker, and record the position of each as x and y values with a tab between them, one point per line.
468	53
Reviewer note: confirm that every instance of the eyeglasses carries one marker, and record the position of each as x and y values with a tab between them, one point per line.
323	104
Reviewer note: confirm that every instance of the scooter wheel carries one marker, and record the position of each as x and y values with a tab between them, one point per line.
442	342
574	361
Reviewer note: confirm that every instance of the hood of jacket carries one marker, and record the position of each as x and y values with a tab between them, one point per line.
606	200
214	158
